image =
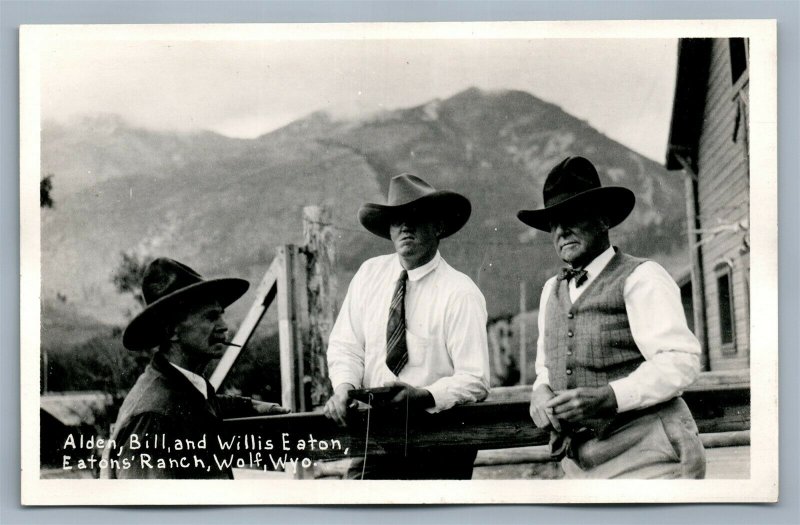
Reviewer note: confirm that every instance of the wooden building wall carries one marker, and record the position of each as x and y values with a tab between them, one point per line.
723	195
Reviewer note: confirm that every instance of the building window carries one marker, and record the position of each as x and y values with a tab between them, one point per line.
738	51
727	318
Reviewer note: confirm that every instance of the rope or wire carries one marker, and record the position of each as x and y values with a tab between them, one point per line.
405	441
366	438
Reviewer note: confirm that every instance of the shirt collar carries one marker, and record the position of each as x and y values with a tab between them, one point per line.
196	380
418	273
600	262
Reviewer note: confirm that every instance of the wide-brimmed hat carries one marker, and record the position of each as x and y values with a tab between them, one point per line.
574	185
409	195
168	285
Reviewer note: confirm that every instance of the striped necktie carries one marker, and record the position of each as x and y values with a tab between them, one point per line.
396	349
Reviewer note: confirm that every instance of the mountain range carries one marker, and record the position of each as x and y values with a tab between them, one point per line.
222	205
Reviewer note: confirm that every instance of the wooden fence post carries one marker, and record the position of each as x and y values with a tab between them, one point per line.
523	335
318	236
289	333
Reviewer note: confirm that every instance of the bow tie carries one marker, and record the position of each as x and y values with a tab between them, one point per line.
569	273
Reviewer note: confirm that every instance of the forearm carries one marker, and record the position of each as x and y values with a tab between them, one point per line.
345	365
661	378
658	326
457	389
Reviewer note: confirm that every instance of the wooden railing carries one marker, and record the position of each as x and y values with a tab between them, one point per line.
720	402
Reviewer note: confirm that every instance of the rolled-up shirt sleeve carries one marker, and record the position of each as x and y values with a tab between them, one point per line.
465	337
658	325
542	376
346	347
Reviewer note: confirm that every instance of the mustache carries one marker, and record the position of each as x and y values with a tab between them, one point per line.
566	240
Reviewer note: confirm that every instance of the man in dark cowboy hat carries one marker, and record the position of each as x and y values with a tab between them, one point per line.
411	321
168	424
614	351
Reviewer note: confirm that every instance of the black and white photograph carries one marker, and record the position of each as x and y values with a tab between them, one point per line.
310	264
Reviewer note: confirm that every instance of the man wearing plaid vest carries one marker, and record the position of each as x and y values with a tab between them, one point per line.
614	350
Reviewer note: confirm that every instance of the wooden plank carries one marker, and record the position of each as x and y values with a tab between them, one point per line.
513	456
265	294
291	392
720	196
739	438
718	101
706	382
486	425
718	126
719	117
523	350
300	324
318	237
726	173
712	381
720	410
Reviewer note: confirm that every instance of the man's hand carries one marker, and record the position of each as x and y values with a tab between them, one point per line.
579	404
417	398
263	408
543	418
337	406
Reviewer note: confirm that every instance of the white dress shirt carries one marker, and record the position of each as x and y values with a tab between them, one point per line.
445	332
659	329
197	381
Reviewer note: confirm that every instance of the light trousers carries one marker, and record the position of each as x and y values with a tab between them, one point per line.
660	445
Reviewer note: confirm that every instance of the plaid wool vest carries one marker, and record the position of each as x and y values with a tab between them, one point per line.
589	343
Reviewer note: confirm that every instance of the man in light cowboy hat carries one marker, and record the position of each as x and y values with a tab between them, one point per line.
411	321
614	350
171	402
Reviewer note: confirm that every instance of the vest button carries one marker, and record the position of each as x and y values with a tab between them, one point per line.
570	334
570	315
569	371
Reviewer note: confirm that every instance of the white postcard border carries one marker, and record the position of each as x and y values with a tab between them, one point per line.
763	483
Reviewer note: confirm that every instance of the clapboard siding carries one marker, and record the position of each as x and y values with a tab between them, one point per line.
723	189
723	196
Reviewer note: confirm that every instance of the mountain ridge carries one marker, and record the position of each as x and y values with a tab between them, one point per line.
223	204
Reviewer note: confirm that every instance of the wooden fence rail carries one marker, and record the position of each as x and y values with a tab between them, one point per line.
502	421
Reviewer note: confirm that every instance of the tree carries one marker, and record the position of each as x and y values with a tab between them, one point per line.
45	189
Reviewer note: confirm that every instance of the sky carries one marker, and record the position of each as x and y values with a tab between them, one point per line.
622	87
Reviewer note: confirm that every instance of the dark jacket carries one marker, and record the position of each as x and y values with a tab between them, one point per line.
166	429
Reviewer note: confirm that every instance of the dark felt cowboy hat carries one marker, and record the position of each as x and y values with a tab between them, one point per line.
574	185
168	285
410	195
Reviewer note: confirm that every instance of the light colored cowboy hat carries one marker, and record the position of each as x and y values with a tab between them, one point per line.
573	184
166	286
410	195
